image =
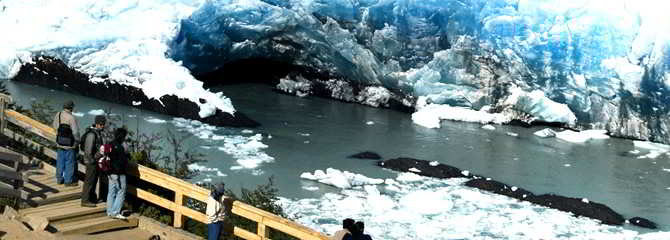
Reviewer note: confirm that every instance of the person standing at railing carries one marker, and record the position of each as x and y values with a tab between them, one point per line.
90	143
215	212
67	137
118	158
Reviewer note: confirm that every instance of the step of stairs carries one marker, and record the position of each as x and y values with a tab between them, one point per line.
94	225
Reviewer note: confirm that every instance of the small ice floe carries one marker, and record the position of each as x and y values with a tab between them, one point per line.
96	112
154	120
567	165
515	159
488	127
488	179
545	133
340	179
514	188
581	137
304	134
247	131
584	200
667	170
136	103
434	163
269	136
306	142
512	134
634	151
218	137
206	147
220	174
446	139
132	115
207	180
414	170
370	123
466	173
78	114
310	188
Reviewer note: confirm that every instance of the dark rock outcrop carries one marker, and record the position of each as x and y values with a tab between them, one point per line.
580	208
366	155
425	169
642	222
55	74
500	188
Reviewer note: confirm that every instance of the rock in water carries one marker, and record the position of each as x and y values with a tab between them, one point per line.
576	206
426	169
366	155
642	222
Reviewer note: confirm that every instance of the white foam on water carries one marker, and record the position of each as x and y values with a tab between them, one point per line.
96	112
433	209
154	120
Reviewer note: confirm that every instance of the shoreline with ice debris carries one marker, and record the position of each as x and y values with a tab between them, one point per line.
576	206
53	73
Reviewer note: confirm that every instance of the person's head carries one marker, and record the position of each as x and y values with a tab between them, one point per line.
218	190
120	134
100	122
348	224
360	226
68	105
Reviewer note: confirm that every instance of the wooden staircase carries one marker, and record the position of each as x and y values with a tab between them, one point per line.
57	208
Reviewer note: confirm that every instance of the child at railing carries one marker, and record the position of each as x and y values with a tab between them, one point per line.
216	212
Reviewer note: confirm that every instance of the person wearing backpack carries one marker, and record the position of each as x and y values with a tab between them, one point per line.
118	162
91	141
67	135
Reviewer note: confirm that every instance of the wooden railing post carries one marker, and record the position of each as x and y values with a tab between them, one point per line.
178	217
261	229
4	100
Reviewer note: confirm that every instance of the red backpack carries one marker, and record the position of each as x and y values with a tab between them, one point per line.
104	163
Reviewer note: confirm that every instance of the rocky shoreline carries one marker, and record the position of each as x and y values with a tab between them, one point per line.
53	73
576	206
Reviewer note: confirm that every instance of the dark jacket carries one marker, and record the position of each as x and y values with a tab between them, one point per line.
118	158
92	142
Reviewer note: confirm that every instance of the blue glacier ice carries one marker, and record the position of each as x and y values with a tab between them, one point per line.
590	64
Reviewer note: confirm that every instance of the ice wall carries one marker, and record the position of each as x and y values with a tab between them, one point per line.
607	61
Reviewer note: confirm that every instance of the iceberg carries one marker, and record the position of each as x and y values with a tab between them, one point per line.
590	64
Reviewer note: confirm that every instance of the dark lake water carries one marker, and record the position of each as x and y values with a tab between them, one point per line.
313	133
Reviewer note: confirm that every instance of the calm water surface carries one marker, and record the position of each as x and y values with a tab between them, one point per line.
313	133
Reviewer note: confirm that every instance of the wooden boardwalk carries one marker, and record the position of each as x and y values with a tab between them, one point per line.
57	208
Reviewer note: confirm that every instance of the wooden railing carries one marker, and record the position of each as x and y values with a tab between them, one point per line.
182	189
10	170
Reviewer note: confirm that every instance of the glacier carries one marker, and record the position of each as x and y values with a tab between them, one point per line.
588	64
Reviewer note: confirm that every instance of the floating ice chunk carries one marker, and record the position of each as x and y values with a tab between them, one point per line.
414	170
136	103
304	134
207	180
96	112
248	131
409	177
340	179
634	151
584	200
581	137
488	127
310	188
78	114
514	188
430	115
512	134
665	169
545	133
567	165
434	163
370	123
465	172
154	120
651	146
200	168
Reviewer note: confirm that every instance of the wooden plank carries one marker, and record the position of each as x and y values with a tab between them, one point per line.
12	193
31	125
44	150
97	225
240	232
10	156
178	218
260	230
167	204
10	174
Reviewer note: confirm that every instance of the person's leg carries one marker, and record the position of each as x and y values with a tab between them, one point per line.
60	164
214	230
69	167
104	186
88	191
113	180
119	194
